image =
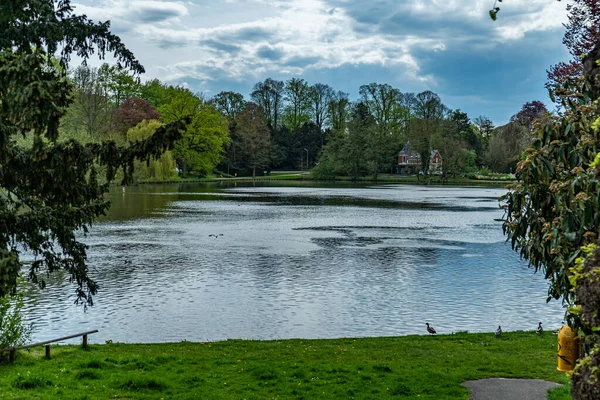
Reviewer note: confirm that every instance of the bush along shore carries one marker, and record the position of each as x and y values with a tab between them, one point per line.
423	367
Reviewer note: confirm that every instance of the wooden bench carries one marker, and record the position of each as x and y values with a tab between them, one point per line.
13	350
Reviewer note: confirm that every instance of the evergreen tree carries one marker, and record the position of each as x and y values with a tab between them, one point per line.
51	188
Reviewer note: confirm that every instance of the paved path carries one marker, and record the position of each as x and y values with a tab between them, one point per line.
509	389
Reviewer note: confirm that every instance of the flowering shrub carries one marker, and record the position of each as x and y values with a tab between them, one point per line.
552	217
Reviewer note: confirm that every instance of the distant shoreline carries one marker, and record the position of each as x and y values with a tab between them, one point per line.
303	177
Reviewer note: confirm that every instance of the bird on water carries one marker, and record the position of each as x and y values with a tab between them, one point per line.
539	329
430	329
499	331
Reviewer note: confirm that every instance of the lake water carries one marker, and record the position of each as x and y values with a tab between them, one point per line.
297	261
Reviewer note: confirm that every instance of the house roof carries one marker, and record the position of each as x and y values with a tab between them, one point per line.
407	150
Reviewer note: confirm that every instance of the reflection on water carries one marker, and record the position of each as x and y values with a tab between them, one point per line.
214	262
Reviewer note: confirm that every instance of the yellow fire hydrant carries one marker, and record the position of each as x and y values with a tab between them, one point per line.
568	348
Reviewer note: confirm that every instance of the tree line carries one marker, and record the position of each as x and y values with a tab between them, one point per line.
289	125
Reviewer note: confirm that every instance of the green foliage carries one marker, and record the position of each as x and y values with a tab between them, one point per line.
230	104
397	117
426	125
44	26
97	95
202	146
364	146
484	171
328	168
255	137
49	189
14	330
353	153
297	111
461	161
338	111
90	111
385	105
506	146
553	219
320	95
119	83
585	278
553	209
390	113
483	127
155	92
269	96
203	143
154	170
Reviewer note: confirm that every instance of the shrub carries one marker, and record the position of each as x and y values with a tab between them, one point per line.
553	219
484	171
326	169
14	330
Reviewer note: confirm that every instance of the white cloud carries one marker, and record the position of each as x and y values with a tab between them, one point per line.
520	17
248	40
123	14
301	30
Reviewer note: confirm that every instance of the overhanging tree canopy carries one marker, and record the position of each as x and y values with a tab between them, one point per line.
51	189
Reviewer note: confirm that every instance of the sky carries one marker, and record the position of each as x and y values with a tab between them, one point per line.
450	47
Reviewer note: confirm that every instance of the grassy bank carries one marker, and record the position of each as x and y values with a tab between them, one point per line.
382	178
418	367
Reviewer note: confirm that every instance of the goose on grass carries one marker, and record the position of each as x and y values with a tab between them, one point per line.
430	329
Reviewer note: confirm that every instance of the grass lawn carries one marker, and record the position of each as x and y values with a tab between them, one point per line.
415	367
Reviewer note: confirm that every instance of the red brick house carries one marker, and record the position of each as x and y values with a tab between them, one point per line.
409	161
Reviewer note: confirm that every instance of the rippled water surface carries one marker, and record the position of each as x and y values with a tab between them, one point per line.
297	261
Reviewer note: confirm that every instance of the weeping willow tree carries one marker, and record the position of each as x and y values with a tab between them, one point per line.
160	169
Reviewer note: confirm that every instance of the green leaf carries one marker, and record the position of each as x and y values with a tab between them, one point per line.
574	256
571	236
548	165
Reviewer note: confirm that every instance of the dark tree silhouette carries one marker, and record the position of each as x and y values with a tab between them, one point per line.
51	189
